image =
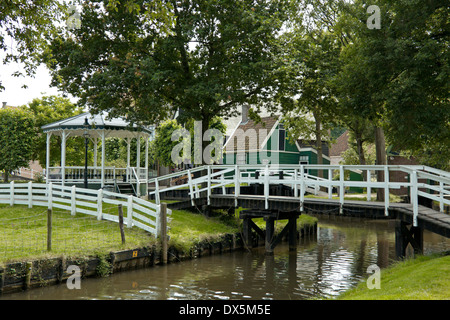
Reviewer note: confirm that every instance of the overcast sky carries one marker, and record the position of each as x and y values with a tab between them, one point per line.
14	94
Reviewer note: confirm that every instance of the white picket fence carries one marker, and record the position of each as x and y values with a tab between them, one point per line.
140	213
422	181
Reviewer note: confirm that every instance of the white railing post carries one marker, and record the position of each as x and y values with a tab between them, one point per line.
157	199
330	186
441	196
30	194
209	185
130	211
73	200
100	204
266	187
369	188
191	187
11	193
237	184
222	181
341	189
414	197
302	187
386	190
296	184
50	196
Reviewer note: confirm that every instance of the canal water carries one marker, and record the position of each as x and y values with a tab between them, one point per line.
324	265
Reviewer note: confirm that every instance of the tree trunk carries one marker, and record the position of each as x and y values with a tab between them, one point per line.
318	133
381	159
360	150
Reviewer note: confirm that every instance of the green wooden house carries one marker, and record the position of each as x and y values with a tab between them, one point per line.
267	142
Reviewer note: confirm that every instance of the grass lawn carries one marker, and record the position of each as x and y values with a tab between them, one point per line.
422	278
23	233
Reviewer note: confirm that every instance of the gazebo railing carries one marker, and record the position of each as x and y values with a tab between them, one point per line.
75	174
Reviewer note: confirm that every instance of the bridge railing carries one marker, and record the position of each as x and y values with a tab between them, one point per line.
421	181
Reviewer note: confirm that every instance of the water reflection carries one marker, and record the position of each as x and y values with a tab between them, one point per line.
323	266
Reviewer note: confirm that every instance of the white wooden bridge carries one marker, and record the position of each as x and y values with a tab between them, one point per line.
255	188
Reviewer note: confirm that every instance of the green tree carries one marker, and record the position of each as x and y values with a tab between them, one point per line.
49	109
28	24
311	110
220	54
17	137
397	76
163	145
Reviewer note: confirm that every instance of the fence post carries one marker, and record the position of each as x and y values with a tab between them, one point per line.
237	184
441	196
50	196
341	189
30	194
222	181
386	190
157	199
130	212
163	231
191	187
209	185
414	197
330	186
266	186
49	229
99	204
295	184
122	233
11	193
302	187
73	200
369	188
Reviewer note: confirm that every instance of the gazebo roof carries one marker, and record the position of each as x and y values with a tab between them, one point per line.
114	127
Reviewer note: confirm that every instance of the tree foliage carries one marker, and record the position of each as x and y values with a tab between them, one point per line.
49	109
398	75
220	54
17	138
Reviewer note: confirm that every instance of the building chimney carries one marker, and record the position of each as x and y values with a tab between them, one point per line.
3	105
244	114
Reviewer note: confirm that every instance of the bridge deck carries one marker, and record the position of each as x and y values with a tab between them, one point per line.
428	218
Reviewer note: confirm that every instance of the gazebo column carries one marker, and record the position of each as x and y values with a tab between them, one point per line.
95	140
146	165
47	158
63	157
138	164
128	158
103	158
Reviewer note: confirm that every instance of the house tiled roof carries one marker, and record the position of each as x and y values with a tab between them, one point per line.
255	133
340	146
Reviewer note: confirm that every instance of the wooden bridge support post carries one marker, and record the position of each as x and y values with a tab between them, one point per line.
405	236
270	232
292	233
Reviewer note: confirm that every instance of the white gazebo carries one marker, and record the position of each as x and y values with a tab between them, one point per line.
98	129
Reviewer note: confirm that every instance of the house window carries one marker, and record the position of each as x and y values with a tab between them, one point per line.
240	158
281	137
304	160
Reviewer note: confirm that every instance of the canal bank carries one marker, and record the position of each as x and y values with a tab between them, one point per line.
323	266
421	278
25	275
